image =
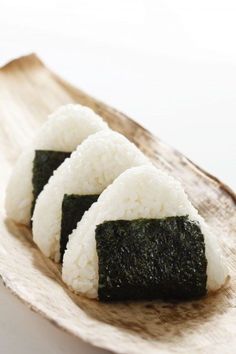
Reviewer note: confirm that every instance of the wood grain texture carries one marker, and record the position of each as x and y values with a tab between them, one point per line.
28	92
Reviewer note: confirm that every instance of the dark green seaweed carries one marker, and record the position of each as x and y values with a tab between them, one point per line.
73	208
45	162
151	258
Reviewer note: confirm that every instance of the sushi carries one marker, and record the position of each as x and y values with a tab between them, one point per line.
58	137
77	184
143	239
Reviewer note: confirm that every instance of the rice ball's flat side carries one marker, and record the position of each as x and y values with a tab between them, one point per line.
63	131
91	168
140	192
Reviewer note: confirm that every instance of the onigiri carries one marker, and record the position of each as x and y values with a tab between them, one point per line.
78	181
67	127
143	239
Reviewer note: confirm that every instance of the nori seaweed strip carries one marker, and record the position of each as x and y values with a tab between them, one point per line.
151	258
73	208
45	162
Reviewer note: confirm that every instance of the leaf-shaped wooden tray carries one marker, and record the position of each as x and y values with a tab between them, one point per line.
28	92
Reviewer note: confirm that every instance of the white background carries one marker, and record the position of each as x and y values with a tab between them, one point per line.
170	64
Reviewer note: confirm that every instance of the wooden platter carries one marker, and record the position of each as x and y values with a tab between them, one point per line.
28	93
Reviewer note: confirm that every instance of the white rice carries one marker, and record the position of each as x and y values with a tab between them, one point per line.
141	192
90	169
67	127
